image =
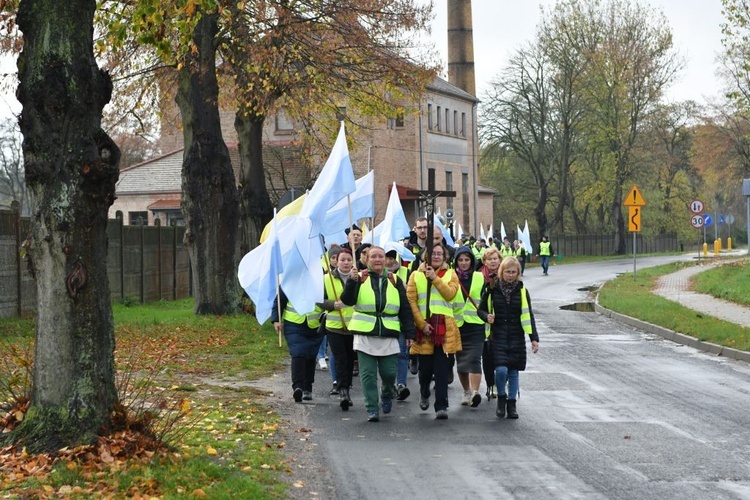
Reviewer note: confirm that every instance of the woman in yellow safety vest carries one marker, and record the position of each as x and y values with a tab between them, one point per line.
431	291
471	326
512	321
337	325
381	312
303	341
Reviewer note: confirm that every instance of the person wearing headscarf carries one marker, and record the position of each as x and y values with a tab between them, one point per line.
471	326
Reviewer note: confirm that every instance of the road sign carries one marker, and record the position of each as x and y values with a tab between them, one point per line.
696	206
729	218
634	198
707	220
696	221
634	219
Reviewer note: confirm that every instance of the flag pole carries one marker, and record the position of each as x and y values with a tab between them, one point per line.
278	287
278	305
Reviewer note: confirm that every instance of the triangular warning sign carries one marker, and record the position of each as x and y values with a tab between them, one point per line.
634	198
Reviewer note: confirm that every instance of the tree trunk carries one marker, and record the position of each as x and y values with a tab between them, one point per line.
71	169
255	204
540	213
618	220
209	194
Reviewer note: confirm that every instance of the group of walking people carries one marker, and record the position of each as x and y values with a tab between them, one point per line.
446	310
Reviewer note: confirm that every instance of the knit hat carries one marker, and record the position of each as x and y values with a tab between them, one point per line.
349	229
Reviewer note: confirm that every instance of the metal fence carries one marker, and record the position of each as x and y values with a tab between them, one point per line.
604	244
144	263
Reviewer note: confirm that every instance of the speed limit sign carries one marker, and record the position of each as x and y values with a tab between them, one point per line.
696	221
696	206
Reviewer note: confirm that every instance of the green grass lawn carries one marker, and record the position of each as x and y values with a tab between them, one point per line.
633	297
229	443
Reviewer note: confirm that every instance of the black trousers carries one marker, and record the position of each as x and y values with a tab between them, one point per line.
342	347
437	364
303	373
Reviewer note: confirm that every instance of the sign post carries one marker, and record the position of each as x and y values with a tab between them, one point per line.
634	201
697	206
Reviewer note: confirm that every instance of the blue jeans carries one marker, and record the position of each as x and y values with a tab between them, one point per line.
503	376
403	360
544	260
322	354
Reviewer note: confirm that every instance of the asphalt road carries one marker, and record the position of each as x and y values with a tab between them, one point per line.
606	411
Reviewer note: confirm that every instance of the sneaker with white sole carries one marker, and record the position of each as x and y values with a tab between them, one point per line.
402	392
441	415
424	403
466	400
322	364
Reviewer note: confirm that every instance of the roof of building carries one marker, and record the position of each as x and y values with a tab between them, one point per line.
444	87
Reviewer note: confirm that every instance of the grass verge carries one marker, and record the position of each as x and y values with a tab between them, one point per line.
230	446
633	297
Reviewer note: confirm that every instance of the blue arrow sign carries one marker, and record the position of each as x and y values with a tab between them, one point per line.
707	220
721	219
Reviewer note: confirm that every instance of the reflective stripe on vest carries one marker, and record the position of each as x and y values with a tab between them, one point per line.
313	317
525	313
506	252
438	305
333	318
365	315
544	247
475	292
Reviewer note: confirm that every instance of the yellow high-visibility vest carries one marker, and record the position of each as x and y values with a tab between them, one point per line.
333	318
365	315
468	311
312	318
438	304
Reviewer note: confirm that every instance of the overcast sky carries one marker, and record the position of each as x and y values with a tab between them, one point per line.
501	26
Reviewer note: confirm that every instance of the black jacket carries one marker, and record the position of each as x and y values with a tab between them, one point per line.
507	335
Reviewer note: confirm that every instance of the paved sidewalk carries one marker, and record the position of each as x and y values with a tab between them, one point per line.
675	287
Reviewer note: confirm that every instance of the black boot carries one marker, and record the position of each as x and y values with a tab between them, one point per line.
344	398
500	412
512	413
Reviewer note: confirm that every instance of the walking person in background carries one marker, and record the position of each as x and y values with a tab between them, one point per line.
519	251
431	292
303	341
337	320
470	325
545	252
381	313
512	321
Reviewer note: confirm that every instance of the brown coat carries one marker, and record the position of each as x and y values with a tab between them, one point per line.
448	291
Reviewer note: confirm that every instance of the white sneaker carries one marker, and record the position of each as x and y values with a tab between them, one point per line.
466	400
322	364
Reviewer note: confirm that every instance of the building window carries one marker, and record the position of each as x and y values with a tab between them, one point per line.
463	124
400	118
283	122
449	187
465	199
429	116
455	122
138	218
439	119
447	121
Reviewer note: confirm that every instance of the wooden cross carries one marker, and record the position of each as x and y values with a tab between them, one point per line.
427	199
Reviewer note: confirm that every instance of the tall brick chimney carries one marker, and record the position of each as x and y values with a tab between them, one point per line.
461	46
